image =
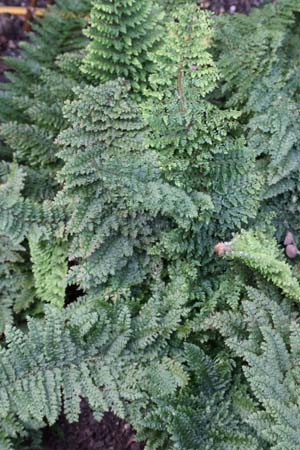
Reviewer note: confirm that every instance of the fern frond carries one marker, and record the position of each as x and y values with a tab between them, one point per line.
261	254
123	33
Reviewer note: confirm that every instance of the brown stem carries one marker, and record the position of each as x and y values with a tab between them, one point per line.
180	89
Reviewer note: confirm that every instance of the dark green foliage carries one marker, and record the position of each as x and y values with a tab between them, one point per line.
32	138
201	415
251	46
273	133
122	33
118	201
31	103
58	32
264	333
259	62
31	117
21	216
122	168
16	284
93	343
13	220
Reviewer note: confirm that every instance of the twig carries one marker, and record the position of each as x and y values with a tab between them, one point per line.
21	11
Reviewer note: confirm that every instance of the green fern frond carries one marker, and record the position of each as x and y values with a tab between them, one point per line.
123	33
261	254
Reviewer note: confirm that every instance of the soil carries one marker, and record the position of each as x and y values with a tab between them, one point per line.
111	433
88	434
11	31
231	6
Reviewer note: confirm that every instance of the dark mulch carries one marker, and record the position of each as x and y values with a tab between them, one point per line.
88	434
231	6
11	31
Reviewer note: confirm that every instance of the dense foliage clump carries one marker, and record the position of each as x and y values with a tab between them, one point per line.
148	179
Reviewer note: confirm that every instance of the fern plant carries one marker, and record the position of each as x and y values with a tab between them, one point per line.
31	117
201	414
56	33
20	218
264	332
155	168
114	181
258	59
249	47
135	180
31	102
71	352
198	144
17	287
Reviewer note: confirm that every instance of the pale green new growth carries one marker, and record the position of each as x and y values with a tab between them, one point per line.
261	253
183	60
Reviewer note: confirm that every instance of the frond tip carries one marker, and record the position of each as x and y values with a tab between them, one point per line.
261	254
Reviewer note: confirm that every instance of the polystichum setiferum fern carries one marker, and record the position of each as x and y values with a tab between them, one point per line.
124	166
